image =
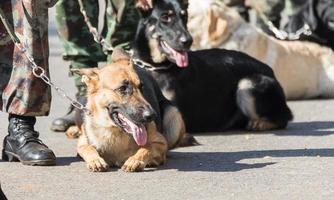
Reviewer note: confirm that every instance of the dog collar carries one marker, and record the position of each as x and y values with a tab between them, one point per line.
148	66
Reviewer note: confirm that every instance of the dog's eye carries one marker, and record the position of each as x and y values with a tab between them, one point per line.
122	89
166	18
183	12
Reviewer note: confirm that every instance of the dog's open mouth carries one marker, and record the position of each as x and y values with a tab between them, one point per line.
179	57
138	132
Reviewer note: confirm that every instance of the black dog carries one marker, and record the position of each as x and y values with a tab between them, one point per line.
319	15
214	89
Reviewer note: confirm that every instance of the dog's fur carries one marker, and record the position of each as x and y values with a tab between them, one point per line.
304	69
217	89
119	88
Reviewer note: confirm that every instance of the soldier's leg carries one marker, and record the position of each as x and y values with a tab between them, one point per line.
271	9
121	29
123	32
240	6
79	47
23	95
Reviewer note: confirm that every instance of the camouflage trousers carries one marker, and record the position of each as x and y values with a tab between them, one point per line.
120	24
272	9
21	93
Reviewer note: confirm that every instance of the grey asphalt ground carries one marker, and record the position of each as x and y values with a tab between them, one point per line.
296	163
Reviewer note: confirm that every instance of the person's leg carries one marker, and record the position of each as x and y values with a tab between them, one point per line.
23	95
271	9
79	47
240	6
121	29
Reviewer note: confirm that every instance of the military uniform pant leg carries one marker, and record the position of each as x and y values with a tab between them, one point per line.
21	93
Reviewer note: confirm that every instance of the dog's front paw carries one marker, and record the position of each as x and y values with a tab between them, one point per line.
97	165
260	125
133	165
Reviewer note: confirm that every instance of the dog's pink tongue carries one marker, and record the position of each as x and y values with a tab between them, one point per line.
181	58
140	135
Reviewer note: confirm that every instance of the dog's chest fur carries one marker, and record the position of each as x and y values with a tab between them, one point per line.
113	145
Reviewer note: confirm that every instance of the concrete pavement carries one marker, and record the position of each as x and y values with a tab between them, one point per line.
296	163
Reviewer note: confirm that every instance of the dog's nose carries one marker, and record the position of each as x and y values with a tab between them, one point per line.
149	115
183	39
186	40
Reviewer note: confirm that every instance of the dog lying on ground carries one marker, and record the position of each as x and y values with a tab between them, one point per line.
214	89
130	124
305	70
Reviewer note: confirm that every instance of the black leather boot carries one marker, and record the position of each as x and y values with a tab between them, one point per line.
22	143
61	124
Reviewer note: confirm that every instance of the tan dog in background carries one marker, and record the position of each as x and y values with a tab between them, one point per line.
305	70
130	124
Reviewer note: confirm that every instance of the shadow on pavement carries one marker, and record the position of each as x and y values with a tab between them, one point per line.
316	128
228	161
64	161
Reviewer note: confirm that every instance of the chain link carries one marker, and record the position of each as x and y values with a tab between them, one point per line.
281	34
39	72
97	37
107	46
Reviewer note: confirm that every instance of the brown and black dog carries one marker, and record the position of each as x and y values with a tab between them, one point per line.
130	124
215	89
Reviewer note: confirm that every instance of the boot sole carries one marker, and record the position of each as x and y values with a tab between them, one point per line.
11	157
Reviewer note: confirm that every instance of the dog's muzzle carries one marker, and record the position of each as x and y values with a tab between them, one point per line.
136	128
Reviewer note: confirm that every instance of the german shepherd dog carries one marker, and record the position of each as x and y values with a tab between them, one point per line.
305	70
214	89
130	123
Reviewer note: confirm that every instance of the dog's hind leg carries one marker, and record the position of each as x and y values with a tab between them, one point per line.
174	129
90	155
262	101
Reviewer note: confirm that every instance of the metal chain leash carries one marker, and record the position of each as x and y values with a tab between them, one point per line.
38	71
280	34
107	46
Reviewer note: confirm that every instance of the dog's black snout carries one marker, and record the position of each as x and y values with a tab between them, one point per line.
186	40
147	113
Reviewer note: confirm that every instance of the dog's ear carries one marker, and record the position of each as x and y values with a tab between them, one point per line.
217	26
145	7
144	4
119	55
89	76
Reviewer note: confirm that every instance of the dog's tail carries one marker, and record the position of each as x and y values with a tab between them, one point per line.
174	129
